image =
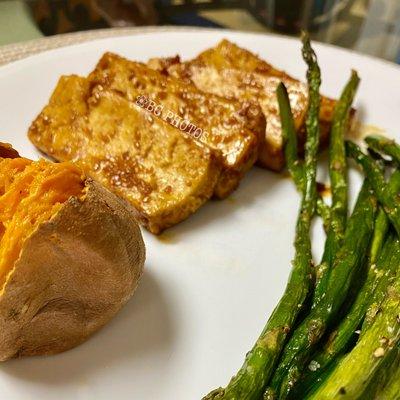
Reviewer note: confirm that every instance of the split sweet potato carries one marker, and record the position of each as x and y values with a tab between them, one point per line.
71	255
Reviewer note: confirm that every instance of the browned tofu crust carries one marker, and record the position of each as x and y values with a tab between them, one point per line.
232	72
6	151
161	171
233	129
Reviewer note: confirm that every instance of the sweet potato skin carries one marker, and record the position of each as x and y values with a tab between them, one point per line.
73	275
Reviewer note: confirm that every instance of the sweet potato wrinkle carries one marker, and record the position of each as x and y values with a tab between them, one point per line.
30	194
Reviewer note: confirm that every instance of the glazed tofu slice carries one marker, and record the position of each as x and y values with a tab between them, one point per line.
230	128
232	72
160	171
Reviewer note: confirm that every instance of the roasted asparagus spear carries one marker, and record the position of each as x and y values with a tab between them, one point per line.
370	297
382	144
355	371
389	201
294	164
260	362
338	178
348	260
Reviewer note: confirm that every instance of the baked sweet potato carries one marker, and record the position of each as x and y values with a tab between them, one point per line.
71	255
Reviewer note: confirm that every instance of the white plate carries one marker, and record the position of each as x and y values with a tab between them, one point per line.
210	285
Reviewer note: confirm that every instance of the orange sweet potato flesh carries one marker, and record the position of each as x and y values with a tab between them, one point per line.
30	194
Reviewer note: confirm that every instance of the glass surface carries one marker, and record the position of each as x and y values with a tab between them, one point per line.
368	26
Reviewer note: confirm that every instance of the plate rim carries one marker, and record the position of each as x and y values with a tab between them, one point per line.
119	33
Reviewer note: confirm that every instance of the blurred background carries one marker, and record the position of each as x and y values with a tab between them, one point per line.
367	26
